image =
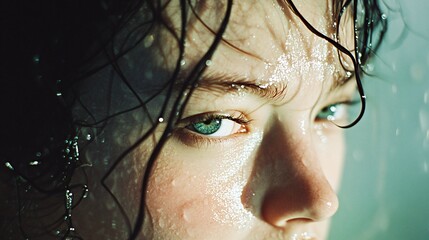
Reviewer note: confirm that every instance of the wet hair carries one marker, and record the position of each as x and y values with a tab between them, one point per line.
49	51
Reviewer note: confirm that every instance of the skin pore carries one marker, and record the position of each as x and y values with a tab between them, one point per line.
253	157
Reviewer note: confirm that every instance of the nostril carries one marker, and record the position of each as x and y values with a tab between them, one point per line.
280	206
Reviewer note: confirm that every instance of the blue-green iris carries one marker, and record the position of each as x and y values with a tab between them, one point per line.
328	112
207	127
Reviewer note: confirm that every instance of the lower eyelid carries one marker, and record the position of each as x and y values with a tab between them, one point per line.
196	140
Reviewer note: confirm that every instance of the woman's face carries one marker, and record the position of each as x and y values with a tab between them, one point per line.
255	156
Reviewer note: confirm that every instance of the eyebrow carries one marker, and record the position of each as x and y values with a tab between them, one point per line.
231	83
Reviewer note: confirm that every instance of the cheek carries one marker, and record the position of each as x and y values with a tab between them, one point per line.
194	192
331	149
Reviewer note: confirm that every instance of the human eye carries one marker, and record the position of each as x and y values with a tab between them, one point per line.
209	127
338	113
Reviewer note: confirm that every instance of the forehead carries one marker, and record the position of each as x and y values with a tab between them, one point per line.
262	38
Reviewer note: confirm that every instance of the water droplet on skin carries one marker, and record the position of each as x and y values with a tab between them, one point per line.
383	16
182	62
161	223
209	62
186	215
174	183
160	119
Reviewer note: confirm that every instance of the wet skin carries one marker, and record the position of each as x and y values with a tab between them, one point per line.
254	156
272	168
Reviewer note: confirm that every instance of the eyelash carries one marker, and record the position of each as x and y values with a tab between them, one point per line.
192	138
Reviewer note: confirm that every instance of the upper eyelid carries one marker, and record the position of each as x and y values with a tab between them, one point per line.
240	119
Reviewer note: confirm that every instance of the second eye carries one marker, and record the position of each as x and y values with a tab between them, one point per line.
216	126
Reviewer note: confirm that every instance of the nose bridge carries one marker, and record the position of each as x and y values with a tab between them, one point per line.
290	180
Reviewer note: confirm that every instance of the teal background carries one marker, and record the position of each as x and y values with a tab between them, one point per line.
385	190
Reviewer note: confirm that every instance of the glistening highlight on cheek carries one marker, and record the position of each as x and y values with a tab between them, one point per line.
196	191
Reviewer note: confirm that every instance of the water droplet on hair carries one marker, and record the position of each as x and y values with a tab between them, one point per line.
88	137
85	191
182	62
160	119
383	16
34	163
148	41
209	62
36	58
8	165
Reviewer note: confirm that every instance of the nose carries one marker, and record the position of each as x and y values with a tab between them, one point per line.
290	181
305	197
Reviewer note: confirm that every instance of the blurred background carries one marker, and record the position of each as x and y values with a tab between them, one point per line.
385	190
